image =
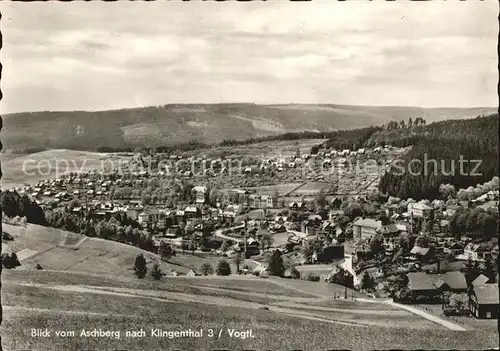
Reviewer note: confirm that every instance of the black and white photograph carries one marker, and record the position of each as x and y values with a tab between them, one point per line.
263	175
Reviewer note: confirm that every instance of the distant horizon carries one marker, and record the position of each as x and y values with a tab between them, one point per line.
247	103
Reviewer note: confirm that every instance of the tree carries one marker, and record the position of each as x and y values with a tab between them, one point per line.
312	248
367	282
458	301
353	210
294	273
447	191
376	245
489	226
223	268
472	271
276	266
73	204
383	218
206	269
225	246
422	241
214	196
489	269
266	241
297	153
140	268
238	259
321	199
342	277
10	261
166	251
156	272
146	199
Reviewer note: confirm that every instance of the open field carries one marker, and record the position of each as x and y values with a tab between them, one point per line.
75	305
275	148
311	188
91	285
281	189
20	169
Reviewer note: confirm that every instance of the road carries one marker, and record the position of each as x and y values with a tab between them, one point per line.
219	234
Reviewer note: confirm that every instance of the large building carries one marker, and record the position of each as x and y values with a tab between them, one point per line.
262	201
420	210
366	228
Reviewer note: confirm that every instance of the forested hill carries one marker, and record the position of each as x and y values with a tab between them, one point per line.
174	124
474	141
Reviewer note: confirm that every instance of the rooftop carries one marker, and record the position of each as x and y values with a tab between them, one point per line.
487	294
426	281
368	222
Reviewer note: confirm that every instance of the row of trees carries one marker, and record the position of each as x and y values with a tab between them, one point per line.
13	204
474	269
462	153
472	193
419	121
141	269
476	221
120	228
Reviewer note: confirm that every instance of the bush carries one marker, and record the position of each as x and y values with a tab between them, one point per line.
206	269
313	277
140	268
7	236
294	273
223	268
10	261
156	272
38	267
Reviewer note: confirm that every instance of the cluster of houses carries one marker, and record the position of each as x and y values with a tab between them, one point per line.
483	295
402	222
265	211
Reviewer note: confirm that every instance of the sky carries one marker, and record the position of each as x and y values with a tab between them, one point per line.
100	55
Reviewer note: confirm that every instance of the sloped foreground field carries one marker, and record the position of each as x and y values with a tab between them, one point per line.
74	301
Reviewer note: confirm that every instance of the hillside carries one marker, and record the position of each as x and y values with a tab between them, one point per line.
475	141
87	283
173	124
55	249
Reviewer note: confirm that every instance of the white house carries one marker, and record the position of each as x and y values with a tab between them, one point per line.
420	209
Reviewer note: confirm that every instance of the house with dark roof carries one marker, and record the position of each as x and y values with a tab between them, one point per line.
484	301
431	284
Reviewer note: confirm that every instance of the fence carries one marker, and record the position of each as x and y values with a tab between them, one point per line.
441	314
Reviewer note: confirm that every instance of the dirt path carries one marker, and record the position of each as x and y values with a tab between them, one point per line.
167	296
380	312
285	285
428	316
296	188
276	298
218	233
